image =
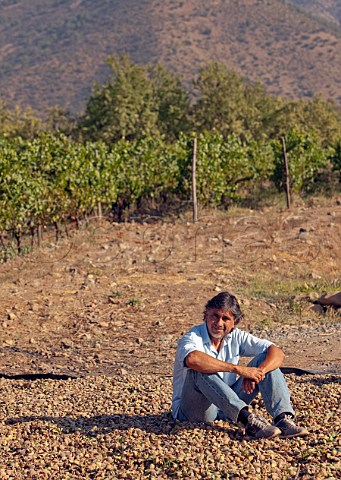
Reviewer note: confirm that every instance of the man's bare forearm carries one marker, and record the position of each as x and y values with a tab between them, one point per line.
273	360
201	362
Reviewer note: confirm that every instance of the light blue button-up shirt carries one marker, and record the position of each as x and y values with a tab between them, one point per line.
235	345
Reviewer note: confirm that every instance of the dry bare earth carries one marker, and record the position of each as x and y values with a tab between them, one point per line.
111	300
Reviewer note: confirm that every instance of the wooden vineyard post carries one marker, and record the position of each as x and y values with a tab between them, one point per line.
287	174
39	235
99	210
194	182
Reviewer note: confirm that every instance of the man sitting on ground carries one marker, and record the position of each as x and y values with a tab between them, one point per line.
209	384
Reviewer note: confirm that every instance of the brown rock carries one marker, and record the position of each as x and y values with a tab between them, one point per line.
66	343
333	300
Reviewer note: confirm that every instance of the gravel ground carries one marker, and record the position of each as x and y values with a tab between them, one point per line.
121	427
311	347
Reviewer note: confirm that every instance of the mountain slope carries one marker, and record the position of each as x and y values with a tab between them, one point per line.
56	49
267	40
327	10
51	52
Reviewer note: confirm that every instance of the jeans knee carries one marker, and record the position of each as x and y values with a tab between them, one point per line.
257	360
192	374
194	377
197	376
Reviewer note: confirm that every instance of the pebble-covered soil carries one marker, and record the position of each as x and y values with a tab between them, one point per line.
106	305
121	427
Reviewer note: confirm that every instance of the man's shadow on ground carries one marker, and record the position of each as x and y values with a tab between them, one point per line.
103	424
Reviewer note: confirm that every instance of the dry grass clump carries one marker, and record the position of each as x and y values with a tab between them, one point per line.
121	428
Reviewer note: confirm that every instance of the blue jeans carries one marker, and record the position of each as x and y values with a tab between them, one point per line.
206	397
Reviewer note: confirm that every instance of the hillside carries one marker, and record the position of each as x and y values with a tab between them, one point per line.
52	52
328	10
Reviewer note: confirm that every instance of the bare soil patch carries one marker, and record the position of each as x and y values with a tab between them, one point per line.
114	298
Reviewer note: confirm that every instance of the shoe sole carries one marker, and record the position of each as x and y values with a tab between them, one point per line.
304	433
275	433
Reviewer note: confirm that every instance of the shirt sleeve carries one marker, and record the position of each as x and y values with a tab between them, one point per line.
190	342
251	345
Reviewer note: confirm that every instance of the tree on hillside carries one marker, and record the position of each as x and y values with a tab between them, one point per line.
317	116
136	101
123	107
258	106
172	102
18	122
58	120
324	118
228	104
219	98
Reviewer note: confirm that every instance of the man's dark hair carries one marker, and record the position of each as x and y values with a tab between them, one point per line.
226	301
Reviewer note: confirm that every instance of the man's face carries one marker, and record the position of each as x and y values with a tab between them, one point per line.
219	322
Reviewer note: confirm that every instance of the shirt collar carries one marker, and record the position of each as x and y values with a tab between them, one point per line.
205	336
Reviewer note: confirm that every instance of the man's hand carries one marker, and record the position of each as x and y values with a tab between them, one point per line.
252	376
248	385
255	374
